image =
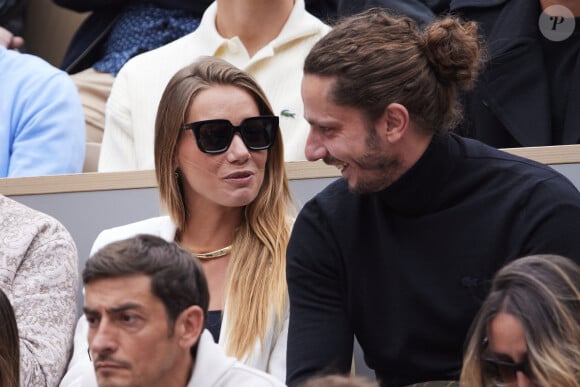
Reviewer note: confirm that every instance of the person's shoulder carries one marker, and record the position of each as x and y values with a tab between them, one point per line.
17	66
240	375
214	368
336	191
154	68
315	22
302	23
147	226
475	150
161	226
30	228
168	52
520	172
17	215
335	200
457	4
162	62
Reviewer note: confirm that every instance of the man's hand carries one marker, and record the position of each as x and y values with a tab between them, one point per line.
10	41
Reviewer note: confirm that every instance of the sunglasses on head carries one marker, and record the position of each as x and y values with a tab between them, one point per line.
215	136
505	372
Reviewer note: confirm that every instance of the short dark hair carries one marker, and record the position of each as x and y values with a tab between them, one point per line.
177	278
378	58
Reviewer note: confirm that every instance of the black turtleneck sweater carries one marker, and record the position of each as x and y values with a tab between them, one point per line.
406	269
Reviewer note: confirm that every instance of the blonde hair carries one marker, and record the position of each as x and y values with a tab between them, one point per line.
256	278
543	293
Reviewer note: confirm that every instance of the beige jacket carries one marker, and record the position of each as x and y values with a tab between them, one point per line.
39	274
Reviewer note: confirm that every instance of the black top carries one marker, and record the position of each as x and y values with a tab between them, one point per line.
406	269
511	104
561	59
214	323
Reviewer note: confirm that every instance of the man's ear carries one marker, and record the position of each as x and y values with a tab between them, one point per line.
395	122
189	326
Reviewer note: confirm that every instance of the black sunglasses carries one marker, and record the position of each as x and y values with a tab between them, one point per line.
215	136
506	371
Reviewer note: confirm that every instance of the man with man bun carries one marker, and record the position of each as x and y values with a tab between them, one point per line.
400	250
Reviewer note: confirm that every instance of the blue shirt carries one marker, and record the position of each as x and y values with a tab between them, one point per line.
143	27
42	126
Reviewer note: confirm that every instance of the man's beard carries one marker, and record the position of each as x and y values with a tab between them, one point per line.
387	167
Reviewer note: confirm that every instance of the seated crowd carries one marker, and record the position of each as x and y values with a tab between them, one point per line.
123	55
450	261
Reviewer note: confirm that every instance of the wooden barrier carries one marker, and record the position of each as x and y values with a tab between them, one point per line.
91	202
553	155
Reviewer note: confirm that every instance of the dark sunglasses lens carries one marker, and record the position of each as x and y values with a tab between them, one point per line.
215	136
506	374
500	373
259	133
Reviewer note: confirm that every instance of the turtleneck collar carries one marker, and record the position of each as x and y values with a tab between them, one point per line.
413	193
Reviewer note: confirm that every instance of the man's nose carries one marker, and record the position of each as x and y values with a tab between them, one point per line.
315	149
103	339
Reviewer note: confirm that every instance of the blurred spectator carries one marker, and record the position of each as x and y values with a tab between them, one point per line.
422	11
38	273
529	91
42	128
12	23
9	347
269	40
114	32
527	332
338	381
325	10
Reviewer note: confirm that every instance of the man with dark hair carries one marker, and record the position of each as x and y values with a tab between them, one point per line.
399	252
146	301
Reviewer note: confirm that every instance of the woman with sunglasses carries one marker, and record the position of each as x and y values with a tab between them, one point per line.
527	332
221	174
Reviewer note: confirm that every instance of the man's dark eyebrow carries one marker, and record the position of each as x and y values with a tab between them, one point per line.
116	309
124	307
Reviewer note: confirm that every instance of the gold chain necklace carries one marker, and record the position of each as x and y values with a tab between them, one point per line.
213	254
